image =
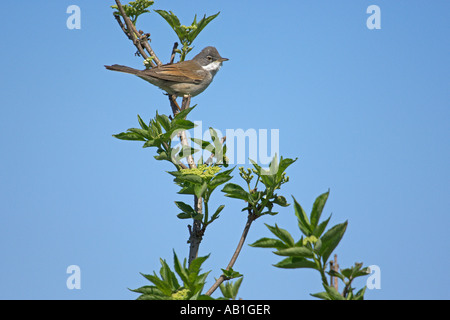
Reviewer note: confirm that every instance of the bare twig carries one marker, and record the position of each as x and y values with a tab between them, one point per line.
172	56
132	34
250	219
174	104
335	267
186	102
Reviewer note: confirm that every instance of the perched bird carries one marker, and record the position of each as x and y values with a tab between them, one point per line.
190	77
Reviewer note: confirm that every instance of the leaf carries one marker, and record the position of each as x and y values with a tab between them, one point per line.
142	123
318	208
295	252
331	239
144	133
129	136
282	234
168	276
321	227
321	295
336	274
281	201
200	26
269	243
360	294
184	216
230	274
216	214
283	165
185	207
295	263
164	121
200	189
164	287
303	221
232	190
179	269
192	178
333	293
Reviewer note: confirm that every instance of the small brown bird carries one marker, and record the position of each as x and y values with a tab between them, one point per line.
190	77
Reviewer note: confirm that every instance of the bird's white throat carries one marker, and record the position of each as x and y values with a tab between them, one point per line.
213	66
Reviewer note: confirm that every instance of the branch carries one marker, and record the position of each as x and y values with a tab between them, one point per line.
172	57
132	34
250	219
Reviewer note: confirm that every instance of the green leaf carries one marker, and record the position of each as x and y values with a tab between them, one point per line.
200	189
295	263
282	234
184	216
216	214
129	136
230	274
281	201
336	274
164	121
164	287
232	190
144	133
321	227
142	123
168	276
331	239
185	207
192	178
333	293
180	269
318	208
283	165
200	26
295	252
269	243
321	295
360	294
303	221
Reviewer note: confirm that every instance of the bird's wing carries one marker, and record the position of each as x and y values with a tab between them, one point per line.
178	72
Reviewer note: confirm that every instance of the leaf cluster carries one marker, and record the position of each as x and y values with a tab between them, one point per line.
313	249
134	9
184	283
259	203
167	287
159	133
186	34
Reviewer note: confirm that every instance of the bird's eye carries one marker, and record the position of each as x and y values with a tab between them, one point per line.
209	58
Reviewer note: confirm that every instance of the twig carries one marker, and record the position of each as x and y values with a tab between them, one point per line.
142	41
172	56
130	31
173	104
335	267
186	102
250	219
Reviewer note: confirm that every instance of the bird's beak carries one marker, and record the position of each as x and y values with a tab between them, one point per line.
223	59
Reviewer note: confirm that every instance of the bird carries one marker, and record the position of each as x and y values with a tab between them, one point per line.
189	77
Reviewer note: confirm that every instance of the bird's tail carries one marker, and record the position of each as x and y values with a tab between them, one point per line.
120	68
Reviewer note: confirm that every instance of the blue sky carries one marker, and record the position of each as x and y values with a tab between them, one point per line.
365	111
